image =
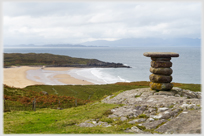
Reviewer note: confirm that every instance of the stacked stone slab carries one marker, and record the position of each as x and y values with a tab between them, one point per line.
161	78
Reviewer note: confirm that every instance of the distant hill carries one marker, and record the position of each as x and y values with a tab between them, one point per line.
51	60
48	45
131	42
138	42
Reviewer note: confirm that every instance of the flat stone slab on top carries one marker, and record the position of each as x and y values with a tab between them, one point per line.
161	54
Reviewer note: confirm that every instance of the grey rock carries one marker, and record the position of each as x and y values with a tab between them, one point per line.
152	109
138	112
153	124
132	122
167	93
112	116
176	111
158	107
198	94
186	123
153	113
162	109
165	116
123	118
150	119
93	123
45	93
143	107
140	120
137	121
177	95
186	93
86	125
137	107
104	124
59	108
146	94
189	106
134	129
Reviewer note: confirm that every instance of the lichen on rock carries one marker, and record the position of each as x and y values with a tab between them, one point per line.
159	110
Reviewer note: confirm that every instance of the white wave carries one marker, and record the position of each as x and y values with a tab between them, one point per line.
96	76
123	80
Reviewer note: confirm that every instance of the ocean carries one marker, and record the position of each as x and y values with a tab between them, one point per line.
186	67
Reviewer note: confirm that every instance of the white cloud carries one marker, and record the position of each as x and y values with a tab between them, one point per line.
75	22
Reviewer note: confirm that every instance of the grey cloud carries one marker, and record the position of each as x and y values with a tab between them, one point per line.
37	9
71	22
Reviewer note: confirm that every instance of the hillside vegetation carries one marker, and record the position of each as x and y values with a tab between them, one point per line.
34	59
67	95
49	120
19	59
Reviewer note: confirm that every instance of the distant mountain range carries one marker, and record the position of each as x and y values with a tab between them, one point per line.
147	42
131	42
48	45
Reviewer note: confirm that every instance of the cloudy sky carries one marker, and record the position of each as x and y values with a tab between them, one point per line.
78	22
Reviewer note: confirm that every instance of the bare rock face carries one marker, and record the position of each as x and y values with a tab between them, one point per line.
165	112
153	124
148	111
186	123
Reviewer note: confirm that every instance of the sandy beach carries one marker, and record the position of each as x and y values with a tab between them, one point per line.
16	76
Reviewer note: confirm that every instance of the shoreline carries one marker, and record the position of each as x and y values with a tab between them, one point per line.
17	76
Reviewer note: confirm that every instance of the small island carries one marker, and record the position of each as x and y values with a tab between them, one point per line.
51	60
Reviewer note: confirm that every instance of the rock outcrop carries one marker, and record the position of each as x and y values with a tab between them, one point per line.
165	112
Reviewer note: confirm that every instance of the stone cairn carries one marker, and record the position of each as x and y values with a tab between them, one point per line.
160	67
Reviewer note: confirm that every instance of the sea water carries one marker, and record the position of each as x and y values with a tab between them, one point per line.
186	67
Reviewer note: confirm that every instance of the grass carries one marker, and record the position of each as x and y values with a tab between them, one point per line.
94	92
52	121
83	93
192	87
47	121
171	106
21	99
143	116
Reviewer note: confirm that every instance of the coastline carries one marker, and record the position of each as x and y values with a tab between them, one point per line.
17	76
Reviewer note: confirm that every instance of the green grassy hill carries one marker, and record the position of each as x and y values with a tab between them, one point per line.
34	59
28	59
